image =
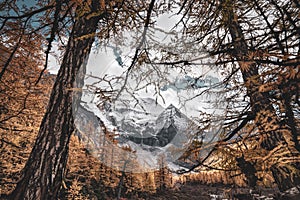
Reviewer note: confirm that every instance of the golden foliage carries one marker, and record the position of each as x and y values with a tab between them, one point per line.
22	106
245	65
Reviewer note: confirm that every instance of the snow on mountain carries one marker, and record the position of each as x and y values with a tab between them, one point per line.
150	124
183	83
150	130
134	118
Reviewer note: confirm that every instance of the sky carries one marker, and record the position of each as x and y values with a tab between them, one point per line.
101	61
104	62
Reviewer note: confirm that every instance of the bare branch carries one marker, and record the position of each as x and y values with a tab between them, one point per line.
52	37
137	51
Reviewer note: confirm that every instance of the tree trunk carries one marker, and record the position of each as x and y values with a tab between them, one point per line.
44	170
266	120
249	170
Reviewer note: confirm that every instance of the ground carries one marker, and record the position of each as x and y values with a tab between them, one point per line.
205	192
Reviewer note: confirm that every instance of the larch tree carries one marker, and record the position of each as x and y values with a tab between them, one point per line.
44	170
273	131
22	101
257	47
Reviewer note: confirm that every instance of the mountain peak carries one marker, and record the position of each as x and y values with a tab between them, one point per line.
171	106
171	110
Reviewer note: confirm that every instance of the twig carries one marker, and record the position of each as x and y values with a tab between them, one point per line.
137	51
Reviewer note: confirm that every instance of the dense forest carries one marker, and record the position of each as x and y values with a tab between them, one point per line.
203	93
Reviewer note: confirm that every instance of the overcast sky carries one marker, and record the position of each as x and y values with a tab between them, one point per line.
104	62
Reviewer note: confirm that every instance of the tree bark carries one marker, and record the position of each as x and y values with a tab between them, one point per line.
266	120
44	170
249	170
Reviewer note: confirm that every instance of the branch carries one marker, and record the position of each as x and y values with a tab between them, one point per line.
137	51
8	142
13	52
19	112
52	37
198	164
235	131
249	117
30	14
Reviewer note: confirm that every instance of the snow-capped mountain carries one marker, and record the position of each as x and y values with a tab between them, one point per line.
170	125
148	128
147	123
